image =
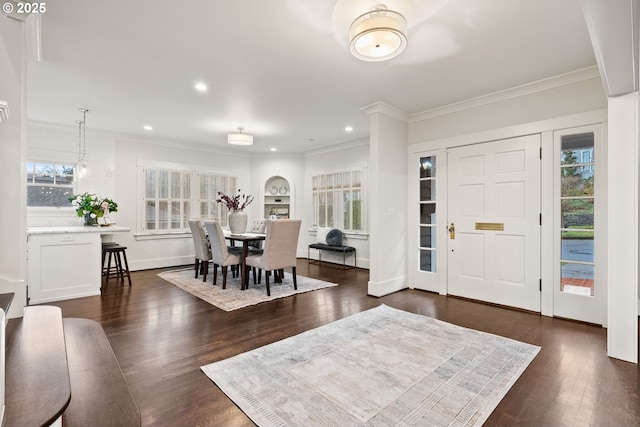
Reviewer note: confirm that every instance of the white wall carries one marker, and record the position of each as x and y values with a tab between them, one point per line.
12	169
387	199
622	336
349	156
47	142
144	253
560	96
291	168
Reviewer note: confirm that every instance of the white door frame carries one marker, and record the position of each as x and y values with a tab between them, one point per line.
545	128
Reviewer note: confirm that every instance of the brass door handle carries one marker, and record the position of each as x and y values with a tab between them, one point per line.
452	231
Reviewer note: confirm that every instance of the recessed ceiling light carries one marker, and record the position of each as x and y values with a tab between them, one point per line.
147	127
273	149
348	129
201	87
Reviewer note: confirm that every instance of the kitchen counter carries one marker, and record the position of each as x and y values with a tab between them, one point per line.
65	262
77	229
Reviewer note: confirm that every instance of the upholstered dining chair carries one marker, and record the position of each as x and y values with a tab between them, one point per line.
280	248
219	252
255	247
201	245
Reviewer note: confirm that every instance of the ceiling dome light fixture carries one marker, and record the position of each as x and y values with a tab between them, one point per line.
239	138
378	35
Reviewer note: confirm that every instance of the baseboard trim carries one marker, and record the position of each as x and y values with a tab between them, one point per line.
149	264
379	289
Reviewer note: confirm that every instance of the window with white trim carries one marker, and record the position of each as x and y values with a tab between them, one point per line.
338	200
173	196
210	185
49	184
167	199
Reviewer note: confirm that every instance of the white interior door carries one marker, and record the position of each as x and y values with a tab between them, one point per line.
494	217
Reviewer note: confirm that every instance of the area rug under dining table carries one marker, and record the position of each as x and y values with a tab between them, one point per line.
380	367
232	298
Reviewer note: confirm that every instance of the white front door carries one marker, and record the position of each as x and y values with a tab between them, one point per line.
494	220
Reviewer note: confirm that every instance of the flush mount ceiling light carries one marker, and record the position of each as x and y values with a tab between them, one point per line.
239	138
378	35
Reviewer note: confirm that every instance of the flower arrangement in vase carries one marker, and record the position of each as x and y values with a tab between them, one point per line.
235	205
92	207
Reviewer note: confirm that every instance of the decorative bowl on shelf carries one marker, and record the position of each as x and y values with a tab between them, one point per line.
273	190
283	190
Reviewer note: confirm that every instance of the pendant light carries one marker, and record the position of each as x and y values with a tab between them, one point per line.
83	161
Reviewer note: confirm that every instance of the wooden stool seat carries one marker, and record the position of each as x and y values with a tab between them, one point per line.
118	253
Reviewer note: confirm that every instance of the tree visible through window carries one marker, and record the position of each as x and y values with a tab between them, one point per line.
49	184
577	200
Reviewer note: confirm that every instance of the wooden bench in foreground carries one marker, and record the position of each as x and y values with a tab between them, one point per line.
63	367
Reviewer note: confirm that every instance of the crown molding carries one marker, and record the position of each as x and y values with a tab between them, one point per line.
339	146
387	110
515	92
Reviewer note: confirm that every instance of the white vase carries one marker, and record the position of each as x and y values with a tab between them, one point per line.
237	222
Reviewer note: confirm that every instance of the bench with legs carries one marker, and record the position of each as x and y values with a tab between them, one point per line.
324	247
331	240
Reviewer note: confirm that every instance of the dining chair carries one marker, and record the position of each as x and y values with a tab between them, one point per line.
201	245
255	247
219	252
280	248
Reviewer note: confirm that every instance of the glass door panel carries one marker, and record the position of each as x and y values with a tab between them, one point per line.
427	214
577	202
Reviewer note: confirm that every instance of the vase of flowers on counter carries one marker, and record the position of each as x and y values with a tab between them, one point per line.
91	207
237	215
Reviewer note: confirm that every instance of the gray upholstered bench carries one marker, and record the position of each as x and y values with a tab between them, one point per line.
332	243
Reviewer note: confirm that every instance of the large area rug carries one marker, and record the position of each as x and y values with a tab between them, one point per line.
233	298
381	367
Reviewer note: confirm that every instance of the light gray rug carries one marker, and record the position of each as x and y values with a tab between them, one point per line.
381	367
233	298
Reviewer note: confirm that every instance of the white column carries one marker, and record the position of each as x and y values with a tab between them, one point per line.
12	164
622	334
387	194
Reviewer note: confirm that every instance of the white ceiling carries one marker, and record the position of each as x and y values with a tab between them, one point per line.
282	68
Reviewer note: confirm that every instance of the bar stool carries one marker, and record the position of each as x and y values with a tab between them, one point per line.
118	253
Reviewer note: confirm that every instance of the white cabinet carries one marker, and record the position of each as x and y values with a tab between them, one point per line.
277	198
62	266
64	262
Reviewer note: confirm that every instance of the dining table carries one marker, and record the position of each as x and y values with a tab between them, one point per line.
245	238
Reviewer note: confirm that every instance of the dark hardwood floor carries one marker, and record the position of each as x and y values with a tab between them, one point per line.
161	336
